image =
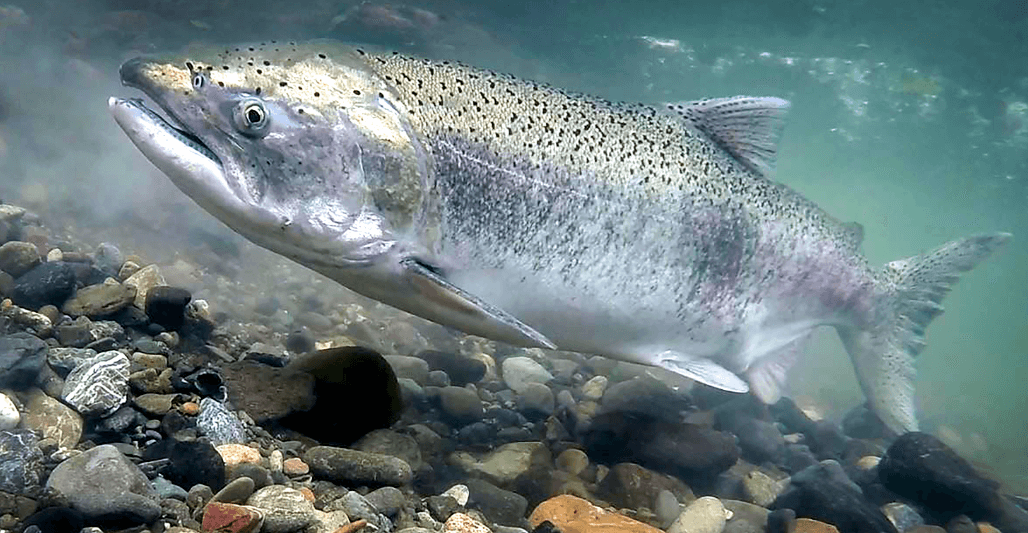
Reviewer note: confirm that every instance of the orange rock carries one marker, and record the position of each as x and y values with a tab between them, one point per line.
308	494
572	514
806	525
462	523
985	527
295	467
231	518
190	409
234	454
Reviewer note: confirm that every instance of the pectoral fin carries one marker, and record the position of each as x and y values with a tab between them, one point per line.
703	370
467	311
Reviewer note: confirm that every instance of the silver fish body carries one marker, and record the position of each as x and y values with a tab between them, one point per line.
527	214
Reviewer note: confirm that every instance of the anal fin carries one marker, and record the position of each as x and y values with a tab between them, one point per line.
767	375
467	311
703	370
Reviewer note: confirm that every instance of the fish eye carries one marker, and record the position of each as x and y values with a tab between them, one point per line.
198	81
251	118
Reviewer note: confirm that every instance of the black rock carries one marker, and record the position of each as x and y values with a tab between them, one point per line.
500	506
87	274
21	462
21	358
191	462
827	440
862	423
919	467
174	421
791	416
357	380
49	283
56	520
823	492
760	441
119	421
300	341
798	457
691	452
546	527
961	524
461	370
167	306
781	521
441	507
646	397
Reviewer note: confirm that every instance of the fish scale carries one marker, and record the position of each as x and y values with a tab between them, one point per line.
531	215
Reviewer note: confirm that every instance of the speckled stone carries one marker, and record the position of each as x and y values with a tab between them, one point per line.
98	386
219	424
285	509
52	419
351	467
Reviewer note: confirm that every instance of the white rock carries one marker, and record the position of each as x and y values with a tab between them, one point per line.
594	388
520	371
54	255
705	515
143	280
461	493
9	415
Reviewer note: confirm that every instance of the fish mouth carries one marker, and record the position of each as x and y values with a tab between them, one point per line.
143	113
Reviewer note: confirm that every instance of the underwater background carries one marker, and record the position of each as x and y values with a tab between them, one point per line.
910	118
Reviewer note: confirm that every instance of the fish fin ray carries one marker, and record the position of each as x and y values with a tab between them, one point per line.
767	376
432	285
703	370
912	290
748	127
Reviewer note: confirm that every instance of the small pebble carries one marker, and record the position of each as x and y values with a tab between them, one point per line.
460	493
295	467
190	408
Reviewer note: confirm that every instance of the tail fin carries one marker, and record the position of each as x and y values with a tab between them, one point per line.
911	291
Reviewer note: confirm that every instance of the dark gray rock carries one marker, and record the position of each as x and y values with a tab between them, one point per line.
218	424
824	492
499	505
389	442
409	367
536	401
48	283
791	416
106	488
55	520
760	441
460	405
64	359
861	423
387	500
21	462
461	370
236	491
98	386
21	358
108	258
352	467
357	507
644	396
694	453
167	306
75	334
919	467
441	507
166	489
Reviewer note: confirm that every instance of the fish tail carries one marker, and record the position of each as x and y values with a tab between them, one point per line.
910	293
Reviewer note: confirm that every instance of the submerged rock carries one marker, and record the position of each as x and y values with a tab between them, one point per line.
106	487
921	468
356	391
573	514
22	356
47	283
347	466
824	492
21	462
98	386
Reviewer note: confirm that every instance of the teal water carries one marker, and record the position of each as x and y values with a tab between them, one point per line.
908	117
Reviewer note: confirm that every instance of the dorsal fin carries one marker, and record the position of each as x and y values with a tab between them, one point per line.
854	233
747	127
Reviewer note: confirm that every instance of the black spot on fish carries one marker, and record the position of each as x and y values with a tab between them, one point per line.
281	84
322	56
317	94
257	90
224	67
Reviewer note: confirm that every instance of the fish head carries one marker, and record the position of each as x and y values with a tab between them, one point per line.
303	149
